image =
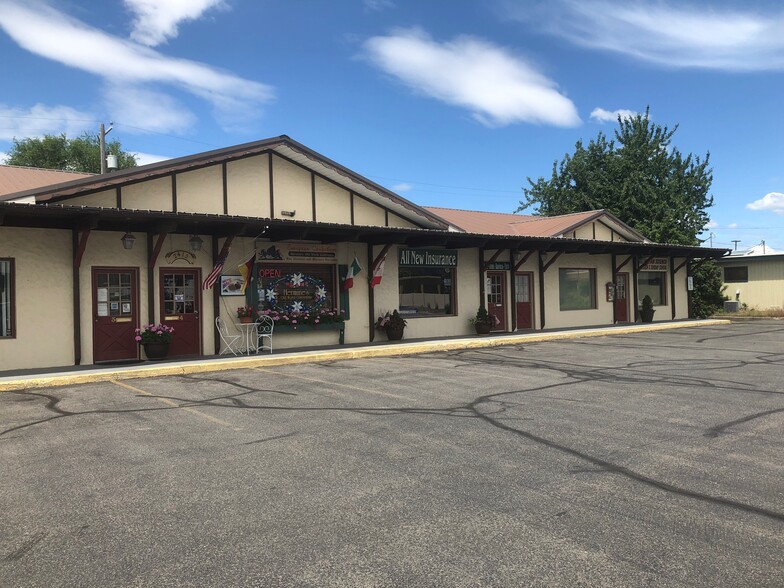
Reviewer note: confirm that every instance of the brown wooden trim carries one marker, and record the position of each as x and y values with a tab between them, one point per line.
541	291
644	263
386	217
618	268
371	297
76	297
157	250
482	293
225	178
593	228
271	185
520	263
378	259
513	294
685	261
80	247
12	288
118	196
351	202
614	276
672	285
634	284
552	261
313	193
150	283
174	192
493	257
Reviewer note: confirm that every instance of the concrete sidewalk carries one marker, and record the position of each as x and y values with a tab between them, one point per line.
87	374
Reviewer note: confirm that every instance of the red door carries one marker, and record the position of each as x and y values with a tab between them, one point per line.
621	299
180	306
496	299
115	313
523	300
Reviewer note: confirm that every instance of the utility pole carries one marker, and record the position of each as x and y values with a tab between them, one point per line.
710	238
736	241
102	143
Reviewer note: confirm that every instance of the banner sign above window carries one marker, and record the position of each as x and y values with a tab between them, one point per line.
296	252
427	258
657	264
499	266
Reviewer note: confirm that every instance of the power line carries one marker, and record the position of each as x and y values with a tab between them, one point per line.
415	183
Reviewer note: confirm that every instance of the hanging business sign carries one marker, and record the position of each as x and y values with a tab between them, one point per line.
657	264
297	252
427	258
498	266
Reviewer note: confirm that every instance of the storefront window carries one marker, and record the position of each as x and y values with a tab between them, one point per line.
7	301
652	284
426	291
736	274
426	281
577	288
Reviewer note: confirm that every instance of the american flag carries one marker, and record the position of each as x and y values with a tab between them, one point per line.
212	277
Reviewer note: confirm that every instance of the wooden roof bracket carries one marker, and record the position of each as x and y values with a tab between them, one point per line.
378	259
495	256
683	263
520	263
79	252
644	263
156	250
552	261
628	259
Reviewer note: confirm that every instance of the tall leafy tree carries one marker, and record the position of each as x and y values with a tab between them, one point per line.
643	179
81	154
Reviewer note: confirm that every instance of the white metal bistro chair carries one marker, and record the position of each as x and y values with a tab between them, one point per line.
264	327
231	341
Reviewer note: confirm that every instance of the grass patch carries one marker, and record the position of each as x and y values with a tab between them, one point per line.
754	312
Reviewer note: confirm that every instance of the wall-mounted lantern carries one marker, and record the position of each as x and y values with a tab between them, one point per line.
128	240
195	242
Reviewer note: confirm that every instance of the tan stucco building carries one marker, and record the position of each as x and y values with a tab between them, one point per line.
83	262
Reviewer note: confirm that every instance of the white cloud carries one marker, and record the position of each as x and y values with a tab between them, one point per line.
3	157
145	158
146	109
666	33
40	29
711	224
498	87
601	115
403	187
772	201
732	226
156	21
42	120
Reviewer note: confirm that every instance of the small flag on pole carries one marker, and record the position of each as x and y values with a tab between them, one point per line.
378	273
353	270
246	270
212	277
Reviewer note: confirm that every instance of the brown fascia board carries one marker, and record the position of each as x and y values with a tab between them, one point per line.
30	215
163	168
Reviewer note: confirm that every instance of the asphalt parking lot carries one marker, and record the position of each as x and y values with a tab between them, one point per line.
652	459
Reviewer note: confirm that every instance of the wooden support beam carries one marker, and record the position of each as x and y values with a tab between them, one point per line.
618	268
615	285
156	250
77	303
541	291
378	259
552	261
683	264
520	263
646	262
493	257
80	247
371	298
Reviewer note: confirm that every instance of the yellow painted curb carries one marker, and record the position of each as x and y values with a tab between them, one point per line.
154	371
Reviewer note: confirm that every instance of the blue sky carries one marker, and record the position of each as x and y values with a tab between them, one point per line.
449	104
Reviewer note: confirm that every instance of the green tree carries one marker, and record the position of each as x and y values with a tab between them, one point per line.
643	179
82	154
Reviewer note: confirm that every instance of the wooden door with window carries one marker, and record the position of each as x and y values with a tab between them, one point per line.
621	298
496	299
180	308
524	308
115	313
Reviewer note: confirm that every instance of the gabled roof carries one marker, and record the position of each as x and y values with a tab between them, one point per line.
498	223
15	178
283	146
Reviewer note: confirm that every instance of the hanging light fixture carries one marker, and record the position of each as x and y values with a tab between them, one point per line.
195	242
128	240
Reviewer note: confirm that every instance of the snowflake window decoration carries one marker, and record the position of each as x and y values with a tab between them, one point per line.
314	293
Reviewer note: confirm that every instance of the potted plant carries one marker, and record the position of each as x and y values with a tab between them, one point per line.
647	310
245	314
155	339
393	324
482	322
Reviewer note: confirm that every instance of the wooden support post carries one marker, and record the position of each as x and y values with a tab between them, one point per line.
150	282
482	300
672	286
77	314
215	298
371	297
541	291
615	285
513	291
634	285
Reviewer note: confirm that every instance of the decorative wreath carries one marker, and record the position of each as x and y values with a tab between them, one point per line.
296	280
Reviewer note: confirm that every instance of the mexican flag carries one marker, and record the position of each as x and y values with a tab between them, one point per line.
378	273
353	270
